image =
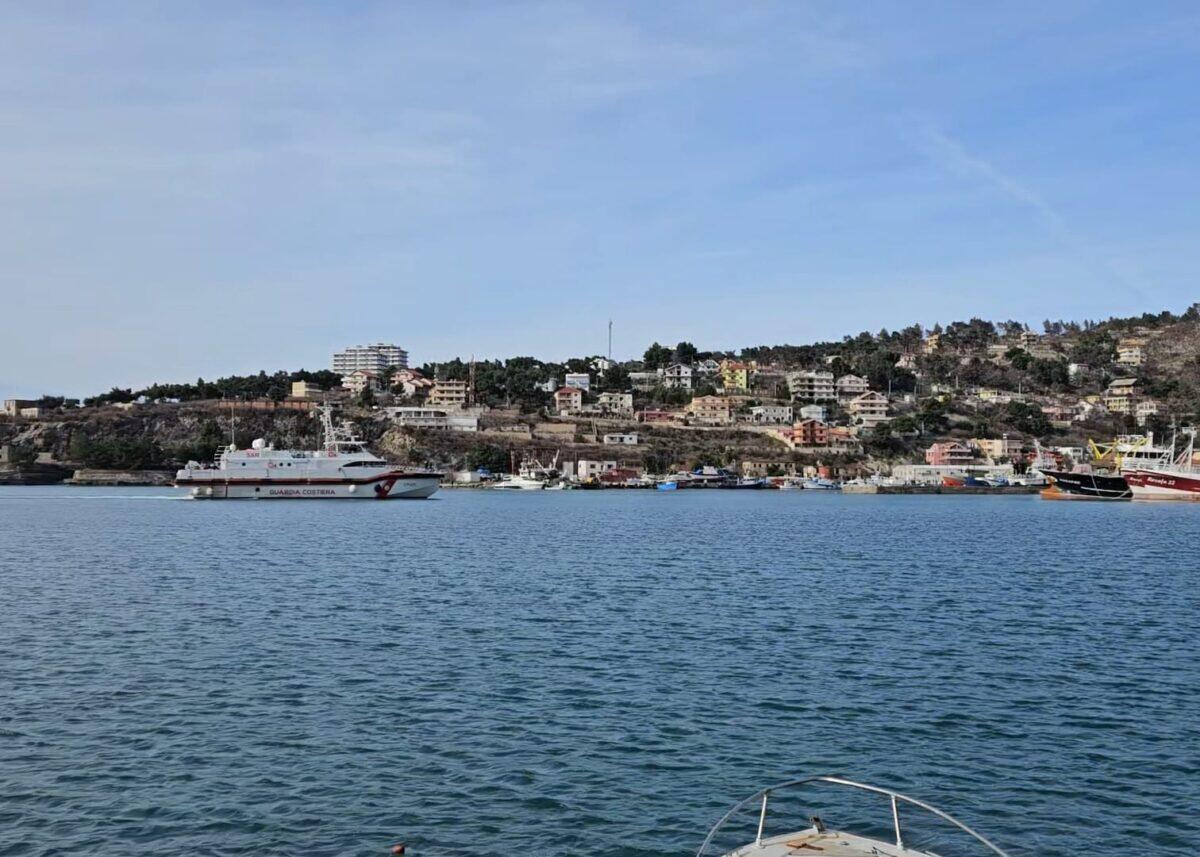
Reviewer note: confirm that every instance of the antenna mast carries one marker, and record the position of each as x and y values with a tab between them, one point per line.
610	340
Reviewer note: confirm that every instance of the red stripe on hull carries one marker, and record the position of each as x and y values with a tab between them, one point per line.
393	476
1153	484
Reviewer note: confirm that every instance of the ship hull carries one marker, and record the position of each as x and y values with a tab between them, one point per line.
1163	485
388	486
1096	486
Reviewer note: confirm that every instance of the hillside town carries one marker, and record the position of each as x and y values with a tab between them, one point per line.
972	397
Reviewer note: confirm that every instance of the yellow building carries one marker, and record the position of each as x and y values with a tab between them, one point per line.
735	375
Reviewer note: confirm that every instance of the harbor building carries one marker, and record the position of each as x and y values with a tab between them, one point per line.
372	358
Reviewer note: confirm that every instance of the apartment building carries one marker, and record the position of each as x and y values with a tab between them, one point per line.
711	410
372	358
868	410
849	386
448	394
771	415
812	385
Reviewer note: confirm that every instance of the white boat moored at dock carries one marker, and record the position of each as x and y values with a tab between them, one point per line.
820	838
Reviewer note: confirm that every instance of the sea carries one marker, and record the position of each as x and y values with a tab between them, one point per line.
591	672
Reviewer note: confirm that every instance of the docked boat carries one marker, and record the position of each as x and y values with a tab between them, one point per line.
1174	476
821	837
1083	482
820	483
745	482
517	482
341	469
529	475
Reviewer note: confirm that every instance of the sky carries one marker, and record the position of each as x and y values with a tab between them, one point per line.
205	189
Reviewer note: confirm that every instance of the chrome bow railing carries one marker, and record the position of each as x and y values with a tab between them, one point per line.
894	798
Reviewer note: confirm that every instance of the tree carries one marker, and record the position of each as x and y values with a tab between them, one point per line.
488	457
1018	357
615	380
656	357
685	352
22	454
1027	418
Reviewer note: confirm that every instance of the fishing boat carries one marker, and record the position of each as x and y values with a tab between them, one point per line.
745	482
1105	476
1084	483
530	475
820	483
341	469
1174	476
517	482
822	838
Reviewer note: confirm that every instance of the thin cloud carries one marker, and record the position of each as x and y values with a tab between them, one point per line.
952	155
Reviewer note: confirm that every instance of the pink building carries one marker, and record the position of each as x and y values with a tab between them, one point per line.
949	452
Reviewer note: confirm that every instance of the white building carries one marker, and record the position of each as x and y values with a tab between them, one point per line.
677	376
849	386
372	358
586	470
772	415
868	409
931	474
1144	410
814	412
620	439
434	418
644	381
814	385
578	380
616	403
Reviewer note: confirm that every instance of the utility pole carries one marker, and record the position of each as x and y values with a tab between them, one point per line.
610	340
471	381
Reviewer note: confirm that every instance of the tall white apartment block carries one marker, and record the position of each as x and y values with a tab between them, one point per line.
370	358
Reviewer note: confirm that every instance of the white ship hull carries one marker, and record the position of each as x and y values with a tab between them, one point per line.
391	486
342	469
1163	484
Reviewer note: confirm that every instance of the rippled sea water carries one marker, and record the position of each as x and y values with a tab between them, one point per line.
587	672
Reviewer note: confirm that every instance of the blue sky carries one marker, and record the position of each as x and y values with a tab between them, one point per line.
202	189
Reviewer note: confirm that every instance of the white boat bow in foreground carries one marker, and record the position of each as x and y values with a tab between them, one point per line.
819	839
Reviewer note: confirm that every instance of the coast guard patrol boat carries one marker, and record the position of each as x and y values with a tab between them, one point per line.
341	469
